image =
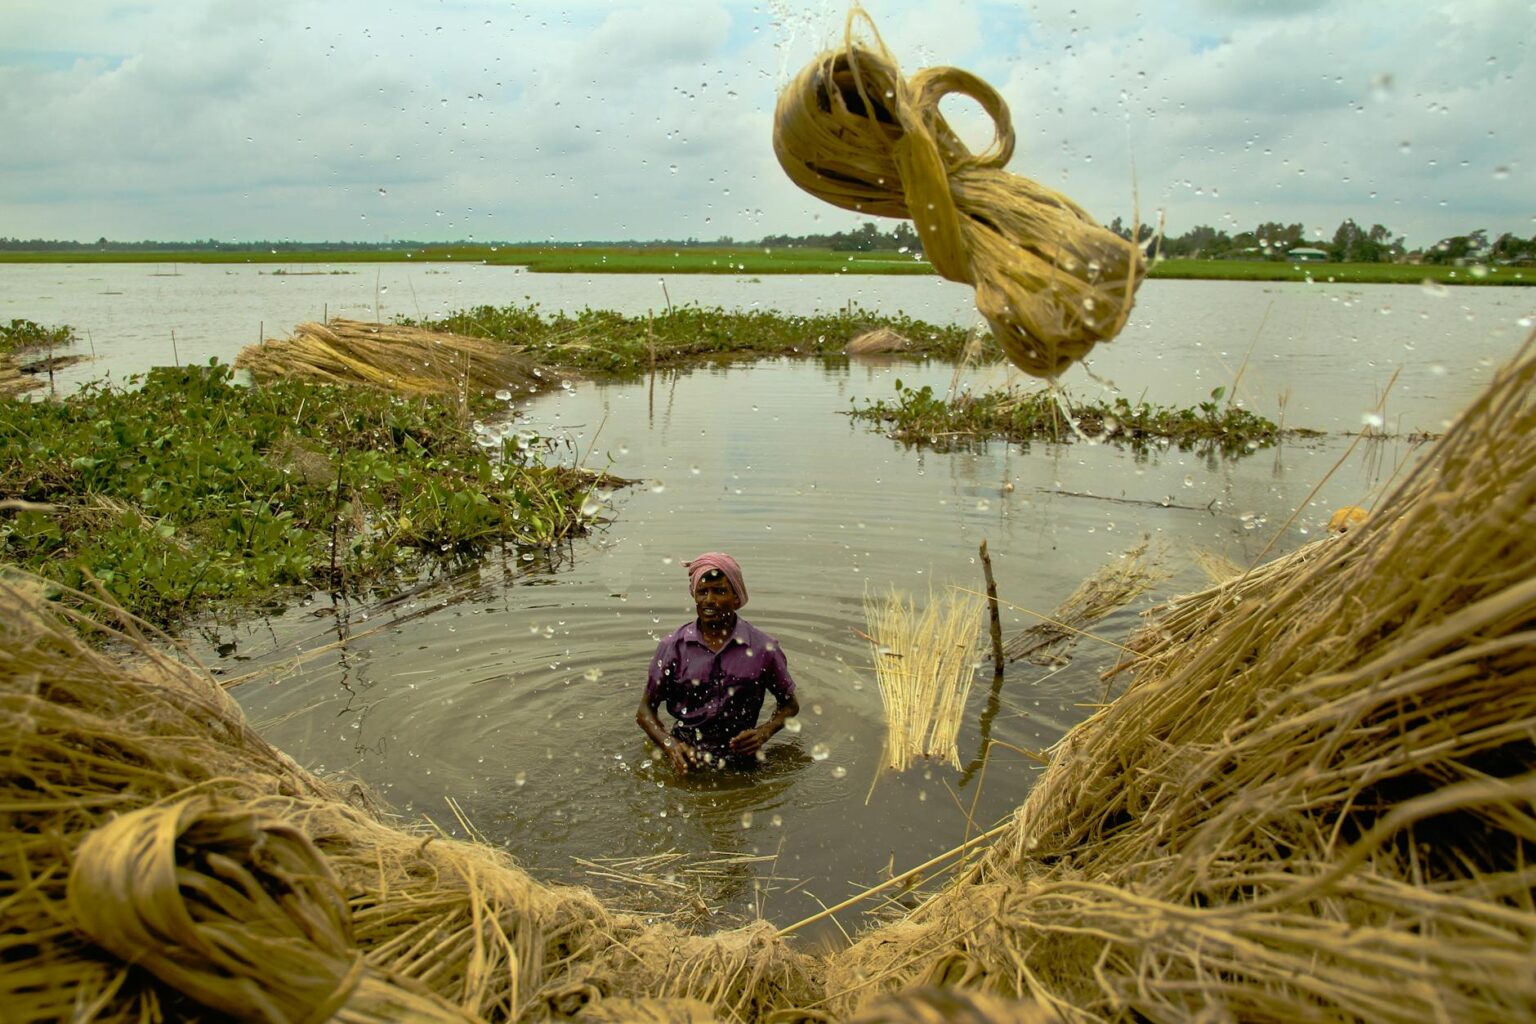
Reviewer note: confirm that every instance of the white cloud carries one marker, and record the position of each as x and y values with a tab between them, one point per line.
222	118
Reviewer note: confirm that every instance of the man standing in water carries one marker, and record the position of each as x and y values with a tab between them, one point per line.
713	673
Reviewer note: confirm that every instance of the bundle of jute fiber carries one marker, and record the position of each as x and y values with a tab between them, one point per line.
1113	585
160	862
1051	282
218	902
406	360
1315	804
925	662
12	380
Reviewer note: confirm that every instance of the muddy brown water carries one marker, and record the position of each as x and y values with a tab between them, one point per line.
512	690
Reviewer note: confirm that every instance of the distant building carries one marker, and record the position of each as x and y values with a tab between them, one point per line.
1306	255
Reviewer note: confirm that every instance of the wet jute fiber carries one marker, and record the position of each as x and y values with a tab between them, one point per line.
851	130
1313	801
392	357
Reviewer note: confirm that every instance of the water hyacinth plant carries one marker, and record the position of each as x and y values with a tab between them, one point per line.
190	490
920	416
605	341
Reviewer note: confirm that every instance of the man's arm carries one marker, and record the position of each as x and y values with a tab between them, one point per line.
748	741
679	753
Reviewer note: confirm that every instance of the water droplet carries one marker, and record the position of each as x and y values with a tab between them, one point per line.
820	752
746	819
1189	480
793	726
591	506
983	505
503	395
1372	419
657	487
1434	289
777	820
592	675
673	168
1500	172
520	779
839	772
382	192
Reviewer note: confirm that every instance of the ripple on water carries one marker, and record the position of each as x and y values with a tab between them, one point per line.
518	700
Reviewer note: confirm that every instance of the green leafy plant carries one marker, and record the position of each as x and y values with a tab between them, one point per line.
192	490
918	416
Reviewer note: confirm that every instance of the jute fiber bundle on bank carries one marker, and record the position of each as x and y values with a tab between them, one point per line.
406	360
1051	282
1315	801
12	380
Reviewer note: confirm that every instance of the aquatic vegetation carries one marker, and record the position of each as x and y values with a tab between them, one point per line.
192	490
920	416
22	334
604	341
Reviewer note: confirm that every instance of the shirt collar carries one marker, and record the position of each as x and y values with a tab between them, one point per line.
738	634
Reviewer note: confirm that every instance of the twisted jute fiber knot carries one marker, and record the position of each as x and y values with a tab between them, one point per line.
1049	279
238	911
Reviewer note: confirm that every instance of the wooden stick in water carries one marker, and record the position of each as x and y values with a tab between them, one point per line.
997	622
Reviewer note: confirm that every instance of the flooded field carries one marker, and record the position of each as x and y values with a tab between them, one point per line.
511	692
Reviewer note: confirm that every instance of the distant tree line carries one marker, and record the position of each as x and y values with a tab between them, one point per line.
1351	243
200	245
867	237
1270	240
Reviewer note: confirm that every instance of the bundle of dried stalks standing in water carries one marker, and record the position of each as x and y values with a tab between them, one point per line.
405	360
925	663
852	130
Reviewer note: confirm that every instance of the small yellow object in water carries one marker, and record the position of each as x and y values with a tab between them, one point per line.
1346	518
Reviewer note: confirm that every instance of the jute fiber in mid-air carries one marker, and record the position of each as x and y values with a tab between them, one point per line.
851	130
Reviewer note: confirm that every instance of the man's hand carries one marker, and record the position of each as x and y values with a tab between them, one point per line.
748	741
680	754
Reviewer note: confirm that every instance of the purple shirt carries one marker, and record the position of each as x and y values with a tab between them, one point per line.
713	695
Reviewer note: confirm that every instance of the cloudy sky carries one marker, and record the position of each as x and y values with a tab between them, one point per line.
636	119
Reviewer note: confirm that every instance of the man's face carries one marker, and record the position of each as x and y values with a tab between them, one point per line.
715	600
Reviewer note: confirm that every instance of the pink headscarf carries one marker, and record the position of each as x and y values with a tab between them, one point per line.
716	560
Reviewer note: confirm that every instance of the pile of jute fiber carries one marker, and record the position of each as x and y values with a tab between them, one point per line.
393	357
1051	282
159	860
1314	801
